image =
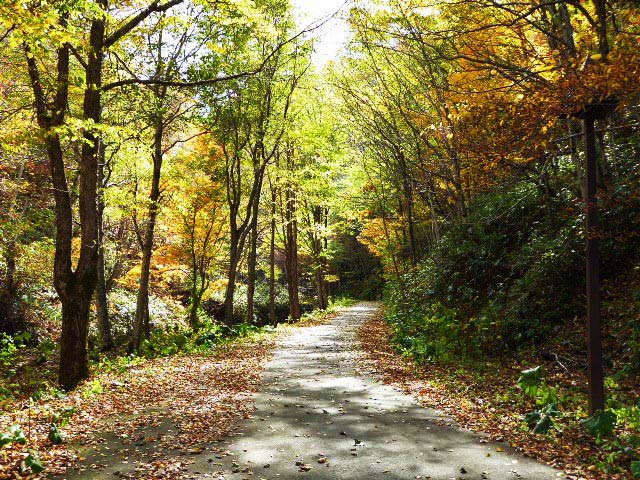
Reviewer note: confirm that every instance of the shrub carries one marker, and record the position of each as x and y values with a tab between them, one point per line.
506	275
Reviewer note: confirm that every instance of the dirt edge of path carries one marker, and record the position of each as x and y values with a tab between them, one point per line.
432	388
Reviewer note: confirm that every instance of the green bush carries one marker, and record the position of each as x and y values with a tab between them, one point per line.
167	342
506	275
163	343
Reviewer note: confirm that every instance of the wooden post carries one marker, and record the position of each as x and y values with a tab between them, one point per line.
598	109
596	374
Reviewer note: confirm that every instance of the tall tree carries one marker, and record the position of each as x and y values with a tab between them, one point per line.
249	121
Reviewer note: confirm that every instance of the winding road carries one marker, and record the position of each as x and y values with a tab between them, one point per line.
319	417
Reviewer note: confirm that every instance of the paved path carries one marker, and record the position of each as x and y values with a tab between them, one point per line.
316	405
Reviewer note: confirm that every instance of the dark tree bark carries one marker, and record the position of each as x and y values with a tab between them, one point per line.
292	261
253	254
11	320
318	246
102	305
272	258
141	325
76	292
240	228
291	248
238	238
235	250
200	262
199	285
323	287
601	15
74	288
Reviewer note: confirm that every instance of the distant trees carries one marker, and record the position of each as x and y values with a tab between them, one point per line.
120	95
463	113
249	124
455	99
90	54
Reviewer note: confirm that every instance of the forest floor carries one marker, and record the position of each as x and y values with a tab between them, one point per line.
140	418
484	397
307	405
318	415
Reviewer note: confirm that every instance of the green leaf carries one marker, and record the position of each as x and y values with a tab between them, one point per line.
551	410
33	462
533	376
14	435
530	380
602	423
544	425
54	434
541	421
18	436
5	439
635	469
532	418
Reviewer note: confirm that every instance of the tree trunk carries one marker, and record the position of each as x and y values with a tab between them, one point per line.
11	320
141	323
74	361
196	299
321	290
10	276
408	194
292	255
318	247
102	305
238	237
325	267
76	288
195	303
435	228
234	258
253	253
601	16
272	261
575	128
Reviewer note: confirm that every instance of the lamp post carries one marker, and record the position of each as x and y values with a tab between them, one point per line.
592	112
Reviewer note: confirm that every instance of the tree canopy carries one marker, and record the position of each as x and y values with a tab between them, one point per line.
186	166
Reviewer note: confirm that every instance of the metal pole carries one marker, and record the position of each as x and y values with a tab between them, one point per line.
596	376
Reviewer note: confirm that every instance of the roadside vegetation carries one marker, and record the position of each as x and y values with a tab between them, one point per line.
179	179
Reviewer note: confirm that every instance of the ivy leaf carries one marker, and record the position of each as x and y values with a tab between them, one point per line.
33	462
54	434
602	423
530	380
551	410
14	435
5	439
635	469
542	421
532	418
544	425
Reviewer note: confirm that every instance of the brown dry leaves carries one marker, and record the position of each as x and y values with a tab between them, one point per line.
197	398
472	402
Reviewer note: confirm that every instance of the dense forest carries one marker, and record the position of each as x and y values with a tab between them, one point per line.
178	177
